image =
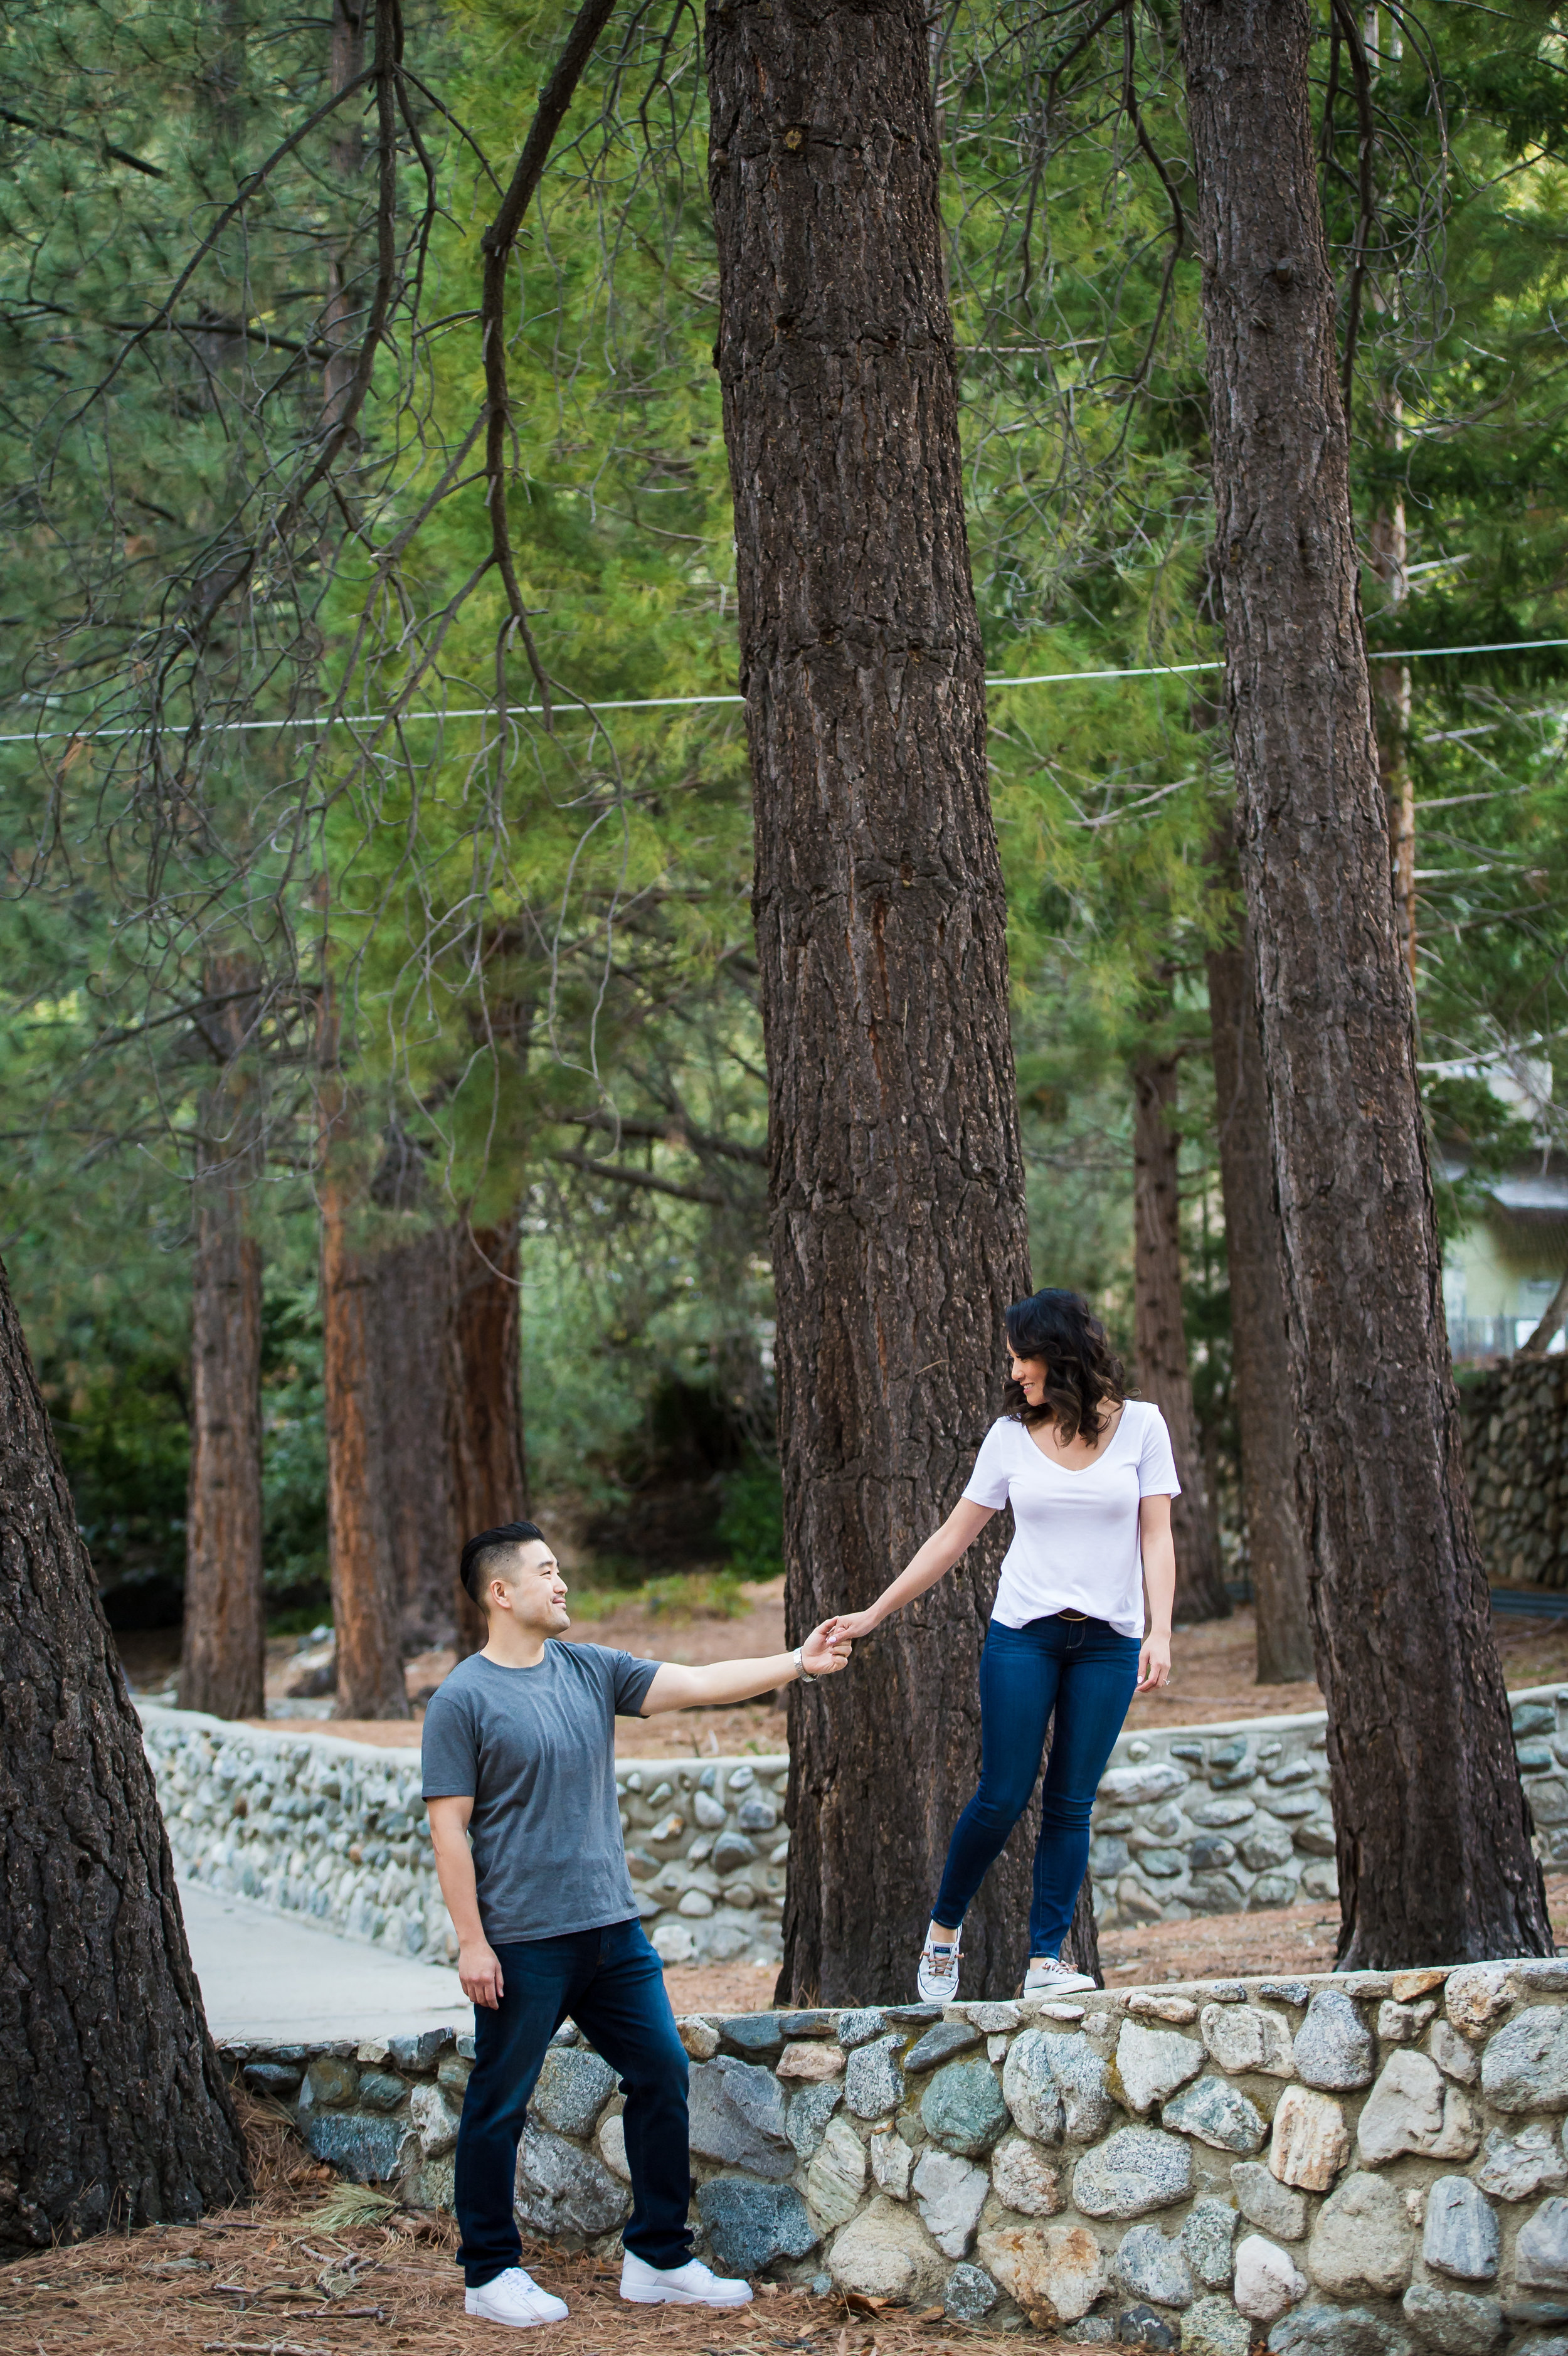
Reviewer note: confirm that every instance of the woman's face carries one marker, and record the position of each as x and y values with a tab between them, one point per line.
1030	1375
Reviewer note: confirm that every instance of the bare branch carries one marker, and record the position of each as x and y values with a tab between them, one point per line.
644	1178
673	1132
496	246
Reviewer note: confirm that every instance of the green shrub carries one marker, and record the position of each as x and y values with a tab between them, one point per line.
750	1526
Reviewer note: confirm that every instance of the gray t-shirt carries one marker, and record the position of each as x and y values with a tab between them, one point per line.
536	1751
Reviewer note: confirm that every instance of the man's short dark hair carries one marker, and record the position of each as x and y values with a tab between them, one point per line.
474	1570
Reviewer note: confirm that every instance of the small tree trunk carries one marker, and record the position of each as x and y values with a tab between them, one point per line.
489	1469
896	1177
1537	1344
1260	1355
1165	1374
113	2108
345	58
1433	1835
367	1609
223	1655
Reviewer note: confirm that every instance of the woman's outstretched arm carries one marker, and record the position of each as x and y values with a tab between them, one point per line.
934	1560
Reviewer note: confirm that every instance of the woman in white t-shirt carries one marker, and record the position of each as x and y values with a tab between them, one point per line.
1090	1476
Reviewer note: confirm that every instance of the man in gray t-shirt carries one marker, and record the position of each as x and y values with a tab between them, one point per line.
535	1749
519	1779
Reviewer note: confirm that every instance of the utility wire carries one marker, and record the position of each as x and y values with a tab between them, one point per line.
581	707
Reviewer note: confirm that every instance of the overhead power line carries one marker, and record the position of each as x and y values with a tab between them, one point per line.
582	707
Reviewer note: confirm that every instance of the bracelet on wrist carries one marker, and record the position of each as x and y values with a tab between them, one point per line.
807	1677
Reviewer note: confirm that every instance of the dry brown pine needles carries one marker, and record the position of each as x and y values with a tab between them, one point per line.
316	2267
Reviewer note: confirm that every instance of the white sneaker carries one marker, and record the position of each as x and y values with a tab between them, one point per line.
937	1977
1049	1976
692	2285
515	2297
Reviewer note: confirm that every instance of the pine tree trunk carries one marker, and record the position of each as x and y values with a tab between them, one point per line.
489	1470
345	58
896	1182
223	1653
1433	1835
410	1320
367	1608
1164	1371
113	2109
1260	1355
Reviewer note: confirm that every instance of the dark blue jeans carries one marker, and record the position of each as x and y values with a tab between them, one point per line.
1085	1672
611	1983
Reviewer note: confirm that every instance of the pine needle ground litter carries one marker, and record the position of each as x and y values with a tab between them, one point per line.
314	2266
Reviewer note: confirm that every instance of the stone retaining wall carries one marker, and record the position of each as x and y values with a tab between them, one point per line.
1213	1819
1516	1453
1193	1820
1355	2166
312	1824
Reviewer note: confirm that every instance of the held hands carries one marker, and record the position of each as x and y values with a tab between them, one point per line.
826	1649
1154	1664
479	1970
848	1627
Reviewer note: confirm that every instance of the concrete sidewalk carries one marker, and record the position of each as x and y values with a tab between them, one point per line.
272	1975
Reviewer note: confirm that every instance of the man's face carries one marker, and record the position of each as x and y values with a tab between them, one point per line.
533	1589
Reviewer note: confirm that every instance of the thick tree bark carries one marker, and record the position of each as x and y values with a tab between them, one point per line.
223	1655
1159	1335
411	1319
445	1367
113	2108
1433	1835
1260	1354
896	1180
488	1467
366	1607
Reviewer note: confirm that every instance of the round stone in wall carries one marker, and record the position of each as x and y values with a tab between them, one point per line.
1137	2170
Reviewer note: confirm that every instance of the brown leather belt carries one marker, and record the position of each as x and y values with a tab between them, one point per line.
1073	1615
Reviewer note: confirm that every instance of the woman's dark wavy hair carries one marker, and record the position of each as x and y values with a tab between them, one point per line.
1083	1375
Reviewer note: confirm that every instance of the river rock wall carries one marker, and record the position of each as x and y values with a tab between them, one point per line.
1515	1421
1191	1820
1215	1819
312	1824
1369	2165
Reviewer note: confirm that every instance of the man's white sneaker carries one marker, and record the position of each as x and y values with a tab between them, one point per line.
1048	1976
937	1977
515	2297
692	2285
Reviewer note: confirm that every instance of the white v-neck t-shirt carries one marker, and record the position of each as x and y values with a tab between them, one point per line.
1075	1534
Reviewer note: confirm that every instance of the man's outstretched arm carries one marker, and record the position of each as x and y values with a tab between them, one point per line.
675	1687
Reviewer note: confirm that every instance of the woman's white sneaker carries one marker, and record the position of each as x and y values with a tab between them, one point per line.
1048	1976
937	1977
515	2297
692	2285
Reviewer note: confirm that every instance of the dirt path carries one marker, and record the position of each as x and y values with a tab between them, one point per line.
1213	1677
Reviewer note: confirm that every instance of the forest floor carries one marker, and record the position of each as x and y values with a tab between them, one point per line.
1281	1942
1214	1678
314	2266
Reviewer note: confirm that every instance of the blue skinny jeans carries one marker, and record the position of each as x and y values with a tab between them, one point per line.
1085	1672
611	1984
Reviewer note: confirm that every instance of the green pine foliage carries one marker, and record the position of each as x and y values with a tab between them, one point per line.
537	939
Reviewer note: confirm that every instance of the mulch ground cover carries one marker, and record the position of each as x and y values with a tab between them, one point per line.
314	2266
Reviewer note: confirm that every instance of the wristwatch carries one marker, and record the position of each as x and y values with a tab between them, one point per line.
807	1676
